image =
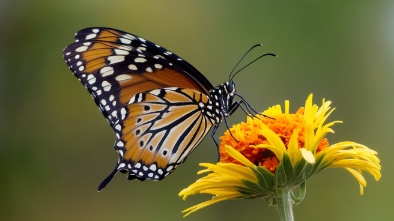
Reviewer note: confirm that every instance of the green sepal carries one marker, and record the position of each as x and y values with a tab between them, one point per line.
251	185
284	173
264	177
316	167
299	171
249	193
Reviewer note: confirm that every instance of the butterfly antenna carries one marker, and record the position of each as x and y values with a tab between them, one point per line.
271	54
256	45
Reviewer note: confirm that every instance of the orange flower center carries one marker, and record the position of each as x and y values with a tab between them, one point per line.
250	134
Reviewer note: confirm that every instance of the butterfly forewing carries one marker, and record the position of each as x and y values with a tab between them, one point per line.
114	66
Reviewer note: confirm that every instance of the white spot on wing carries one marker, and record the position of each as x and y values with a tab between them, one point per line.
90	36
81	49
115	59
91	79
106	86
153	167
129	36
132	67
125	47
123	77
169	168
132	100
125	41
120	144
123	111
106	71
121	52
155	92
122	165
139	60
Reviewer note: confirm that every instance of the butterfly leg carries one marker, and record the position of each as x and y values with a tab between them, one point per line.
249	109
215	127
237	104
213	135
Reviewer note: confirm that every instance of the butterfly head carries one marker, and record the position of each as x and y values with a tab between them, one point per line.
230	87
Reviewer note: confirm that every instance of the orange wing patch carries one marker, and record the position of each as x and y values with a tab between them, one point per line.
108	35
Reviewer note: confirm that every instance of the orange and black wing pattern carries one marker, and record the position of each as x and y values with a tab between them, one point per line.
114	66
152	99
161	128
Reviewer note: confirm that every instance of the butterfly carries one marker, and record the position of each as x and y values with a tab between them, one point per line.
159	106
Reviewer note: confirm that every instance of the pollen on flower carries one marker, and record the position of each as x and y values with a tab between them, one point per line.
249	134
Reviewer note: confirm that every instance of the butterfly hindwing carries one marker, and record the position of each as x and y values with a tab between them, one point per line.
160	129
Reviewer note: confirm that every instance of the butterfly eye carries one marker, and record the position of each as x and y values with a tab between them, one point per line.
230	87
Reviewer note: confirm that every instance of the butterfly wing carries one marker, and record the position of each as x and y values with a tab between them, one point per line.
114	66
151	97
160	128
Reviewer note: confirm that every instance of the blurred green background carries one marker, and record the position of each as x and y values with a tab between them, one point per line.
56	147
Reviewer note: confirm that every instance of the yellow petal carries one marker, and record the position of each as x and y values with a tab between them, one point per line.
238	156
307	155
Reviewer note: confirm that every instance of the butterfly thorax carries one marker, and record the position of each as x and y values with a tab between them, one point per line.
220	101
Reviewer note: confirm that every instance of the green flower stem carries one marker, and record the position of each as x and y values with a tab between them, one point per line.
284	205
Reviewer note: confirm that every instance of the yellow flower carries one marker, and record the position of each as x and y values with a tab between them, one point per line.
276	154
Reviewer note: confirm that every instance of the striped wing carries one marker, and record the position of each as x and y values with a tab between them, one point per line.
114	66
158	131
